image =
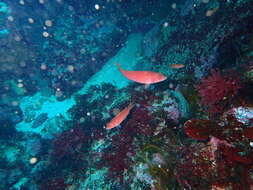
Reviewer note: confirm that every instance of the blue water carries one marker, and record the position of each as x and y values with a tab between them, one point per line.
176	114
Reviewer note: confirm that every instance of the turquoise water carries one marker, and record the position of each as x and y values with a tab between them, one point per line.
176	112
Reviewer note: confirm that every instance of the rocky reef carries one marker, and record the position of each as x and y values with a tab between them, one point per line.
59	88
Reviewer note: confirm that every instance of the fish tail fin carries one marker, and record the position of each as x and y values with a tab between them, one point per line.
132	99
131	105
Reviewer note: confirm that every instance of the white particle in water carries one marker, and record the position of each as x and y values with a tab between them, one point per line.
166	24
10	18
45	34
41	1
20	85
173	5
30	20
70	68
43	66
17	38
48	23
21	2
33	160
97	7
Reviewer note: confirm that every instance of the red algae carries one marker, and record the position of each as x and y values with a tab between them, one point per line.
199	129
248	132
216	88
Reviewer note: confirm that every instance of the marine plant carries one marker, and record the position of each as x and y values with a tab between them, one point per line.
159	154
159	167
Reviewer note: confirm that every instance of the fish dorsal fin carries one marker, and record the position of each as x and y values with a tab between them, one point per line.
120	68
118	65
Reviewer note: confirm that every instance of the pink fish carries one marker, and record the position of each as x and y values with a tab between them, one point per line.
121	116
143	77
177	66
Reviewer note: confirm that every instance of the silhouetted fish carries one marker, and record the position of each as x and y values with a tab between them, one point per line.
40	120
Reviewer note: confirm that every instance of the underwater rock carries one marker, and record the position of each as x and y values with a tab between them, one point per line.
142	174
49	112
14	176
3	176
96	180
207	63
150	41
21	183
33	146
7	130
169	105
242	114
188	7
9	117
142	25
127	57
12	114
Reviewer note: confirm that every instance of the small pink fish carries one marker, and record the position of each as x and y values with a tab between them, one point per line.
143	77
177	66
121	116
